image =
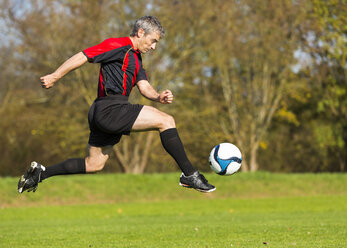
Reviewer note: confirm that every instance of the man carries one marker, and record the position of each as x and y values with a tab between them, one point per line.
111	115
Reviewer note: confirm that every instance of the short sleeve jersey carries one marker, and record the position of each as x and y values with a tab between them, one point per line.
121	66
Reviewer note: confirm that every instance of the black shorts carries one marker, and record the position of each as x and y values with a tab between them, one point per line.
109	118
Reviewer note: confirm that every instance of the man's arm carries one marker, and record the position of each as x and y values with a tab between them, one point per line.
72	63
149	92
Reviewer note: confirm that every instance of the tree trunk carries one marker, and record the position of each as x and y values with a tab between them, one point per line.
244	165
135	160
253	159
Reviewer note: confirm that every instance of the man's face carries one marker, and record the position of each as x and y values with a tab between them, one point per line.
147	41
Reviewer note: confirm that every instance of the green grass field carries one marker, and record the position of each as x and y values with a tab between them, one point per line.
114	210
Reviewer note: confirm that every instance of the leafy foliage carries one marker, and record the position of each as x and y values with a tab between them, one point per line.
270	78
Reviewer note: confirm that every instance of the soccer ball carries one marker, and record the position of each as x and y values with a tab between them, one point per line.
225	159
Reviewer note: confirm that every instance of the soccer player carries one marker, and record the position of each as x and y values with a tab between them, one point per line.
111	115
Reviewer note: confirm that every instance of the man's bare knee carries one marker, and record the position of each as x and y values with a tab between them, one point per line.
96	160
170	121
167	122
95	165
98	167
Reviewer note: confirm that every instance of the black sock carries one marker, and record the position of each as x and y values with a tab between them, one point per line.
70	166
173	145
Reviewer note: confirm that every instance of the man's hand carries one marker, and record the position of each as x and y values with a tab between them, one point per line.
147	90
48	80
166	97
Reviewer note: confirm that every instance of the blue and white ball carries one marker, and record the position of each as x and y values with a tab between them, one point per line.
225	159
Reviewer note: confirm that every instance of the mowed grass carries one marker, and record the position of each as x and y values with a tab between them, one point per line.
113	210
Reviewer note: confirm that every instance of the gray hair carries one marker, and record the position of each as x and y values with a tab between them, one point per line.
149	24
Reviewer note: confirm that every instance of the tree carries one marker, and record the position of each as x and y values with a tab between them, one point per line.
243	56
41	31
326	45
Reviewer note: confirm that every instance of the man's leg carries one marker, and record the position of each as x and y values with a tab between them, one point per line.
94	162
151	118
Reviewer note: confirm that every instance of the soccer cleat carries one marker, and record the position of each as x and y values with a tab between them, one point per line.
31	178
196	181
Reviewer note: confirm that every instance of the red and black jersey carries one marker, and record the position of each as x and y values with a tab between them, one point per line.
121	66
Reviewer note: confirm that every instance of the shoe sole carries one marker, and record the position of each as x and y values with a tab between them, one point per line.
21	184
23	180
200	190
